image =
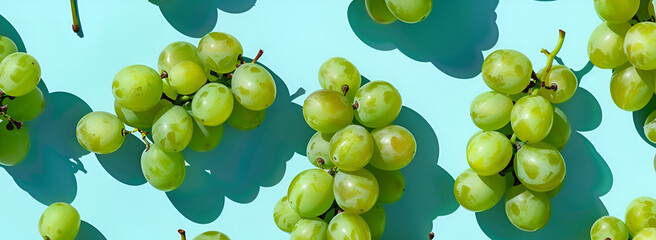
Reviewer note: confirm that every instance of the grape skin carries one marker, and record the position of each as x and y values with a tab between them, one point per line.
646	234
244	119
27	107
561	130
376	219
609	227
187	77
219	52
212	235
489	153
650	127
394	148
253	87
540	167
357	191
640	46
60	221
7	47
527	210
137	88
348	226
378	104
175	53
532	118
478	193
309	229
410	11
311	193
205	138
173	130
640	213
100	132
391	184
566	81
14	144
507	71
212	104
319	147
284	216
606	45
20	73
379	12
143	119
165	171
631	88
616	11
491	110
351	148
327	111
337	72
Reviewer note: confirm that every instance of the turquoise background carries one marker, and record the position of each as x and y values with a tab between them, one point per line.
435	65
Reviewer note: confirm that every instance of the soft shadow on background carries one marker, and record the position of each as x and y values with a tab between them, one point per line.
195	18
89	232
452	37
639	118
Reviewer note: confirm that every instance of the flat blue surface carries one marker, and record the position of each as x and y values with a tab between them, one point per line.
435	65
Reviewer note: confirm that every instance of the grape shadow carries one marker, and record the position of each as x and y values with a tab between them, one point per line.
89	232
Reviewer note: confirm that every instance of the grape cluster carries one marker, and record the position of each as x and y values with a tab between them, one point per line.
357	161
60	221
640	222
183	105
388	11
20	101
516	153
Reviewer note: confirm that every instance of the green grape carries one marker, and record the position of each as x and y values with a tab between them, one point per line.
284	216
609	227
27	107
338	72
19	74
631	88
489	153
606	45
60	221
566	81
472	138
168	90
351	148
137	88
348	226
254	87
391	184
205	138
244	119
311	193
540	167
379	12
394	147
356	191
560	130
143	119
640	46
375	219
173	130
378	104
507	71
310	229
7	47
327	111
532	118
478	193
212	235
14	144
641	213
616	11
219	52
650	127
100	132
410	11
175	53
187	77
212	104
527	210
165	171
491	110
646	234
319	147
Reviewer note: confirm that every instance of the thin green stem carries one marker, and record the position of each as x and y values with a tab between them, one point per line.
513	139
76	20
550	58
143	136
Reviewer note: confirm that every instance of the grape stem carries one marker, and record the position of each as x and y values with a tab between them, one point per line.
332	171
183	236
12	123
431	235
143	136
550	58
164	74
46	238
76	20
259	55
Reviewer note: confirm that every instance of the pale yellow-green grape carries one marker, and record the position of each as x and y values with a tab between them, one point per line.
143	119
540	167
646	234
566	81
640	45
640	213
7	46
244	119
489	153
357	191
19	74
526	209
14	144
351	148
175	53
478	193
311	193
650	127
376	219
60	221
472	138
27	107
100	132
609	227
319	147
284	216
555	191
531	118
410	11
348	226
617	11
212	235
212	104
310	229
187	77
327	111
137	87
391	184
560	130
507	71
491	110
606	45
173	130
168	90
394	148
254	87
379	12
165	171
205	138
337	72
378	104
631	88
219	52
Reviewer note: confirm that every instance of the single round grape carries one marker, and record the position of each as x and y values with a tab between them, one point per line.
319	147
310	229
311	193
630	87
137	88
356	191
532	118
212	235
640	213
165	171
379	12
244	119
212	104
472	138
378	104
327	111
7	46
527	210
143	119
507	71
19	74
609	227
284	216
205	138
491	110
100	132
187	77
540	167
254	87
395	147
348	226
27	107
219	52
646	234
14	144
410	11
639	45
60	221
391	185
650	127
337	72
566	81
351	148
606	45
173	130
175	53
478	193
560	130
376	220
489	153
616	11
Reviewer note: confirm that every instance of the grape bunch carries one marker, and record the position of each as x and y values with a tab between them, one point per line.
20	101
640	223
209	235
408	11
60	221
183	105
358	153
517	151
